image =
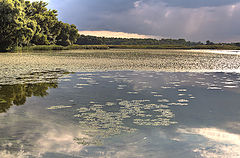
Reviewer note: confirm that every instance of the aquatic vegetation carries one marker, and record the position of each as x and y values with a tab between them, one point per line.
214	88
65	80
15	65
183	100
58	107
165	87
110	104
230	86
157	95
103	120
181	94
84	78
182	90
84	109
122	86
106	77
154	122
132	92
82	84
163	100
107	123
178	104
78	87
103	114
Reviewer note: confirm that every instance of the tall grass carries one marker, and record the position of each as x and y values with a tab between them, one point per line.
57	47
72	47
224	47
217	46
148	47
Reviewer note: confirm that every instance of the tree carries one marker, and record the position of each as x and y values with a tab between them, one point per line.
68	34
209	42
73	34
23	23
15	28
49	29
47	22
89	40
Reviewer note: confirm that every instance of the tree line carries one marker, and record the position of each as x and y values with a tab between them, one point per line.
93	40
25	23
153	43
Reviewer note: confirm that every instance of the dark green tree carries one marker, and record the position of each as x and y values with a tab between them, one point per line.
209	42
15	28
68	34
48	27
89	40
31	23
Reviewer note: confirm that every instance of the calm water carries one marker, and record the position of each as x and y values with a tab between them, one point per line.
123	114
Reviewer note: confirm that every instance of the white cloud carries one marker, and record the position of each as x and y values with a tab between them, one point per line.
115	34
137	4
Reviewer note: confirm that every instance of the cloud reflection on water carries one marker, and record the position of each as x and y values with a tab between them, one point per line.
218	143
202	129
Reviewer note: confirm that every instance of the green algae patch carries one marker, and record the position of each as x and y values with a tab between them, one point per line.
58	107
14	67
103	123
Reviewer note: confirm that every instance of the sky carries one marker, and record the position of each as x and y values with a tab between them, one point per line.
195	20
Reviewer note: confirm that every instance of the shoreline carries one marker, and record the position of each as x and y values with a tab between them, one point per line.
107	47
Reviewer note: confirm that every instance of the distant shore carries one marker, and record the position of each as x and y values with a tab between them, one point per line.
218	47
74	47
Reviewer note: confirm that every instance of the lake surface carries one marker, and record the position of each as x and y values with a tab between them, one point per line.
167	105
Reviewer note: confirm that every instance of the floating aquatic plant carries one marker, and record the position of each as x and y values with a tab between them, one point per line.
183	101
106	123
182	90
58	107
163	100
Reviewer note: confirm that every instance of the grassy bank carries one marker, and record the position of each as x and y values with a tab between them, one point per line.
223	47
73	47
220	47
57	47
147	47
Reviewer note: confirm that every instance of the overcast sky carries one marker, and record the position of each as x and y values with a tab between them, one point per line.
196	20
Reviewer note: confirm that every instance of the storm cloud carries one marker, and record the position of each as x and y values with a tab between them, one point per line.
196	20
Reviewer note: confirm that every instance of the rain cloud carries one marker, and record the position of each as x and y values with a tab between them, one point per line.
196	20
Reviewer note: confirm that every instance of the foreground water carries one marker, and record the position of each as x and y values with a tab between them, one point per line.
54	114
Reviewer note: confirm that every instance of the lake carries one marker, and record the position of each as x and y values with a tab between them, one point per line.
120	103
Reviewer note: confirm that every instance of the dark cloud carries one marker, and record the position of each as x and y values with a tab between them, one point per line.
88	14
198	20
